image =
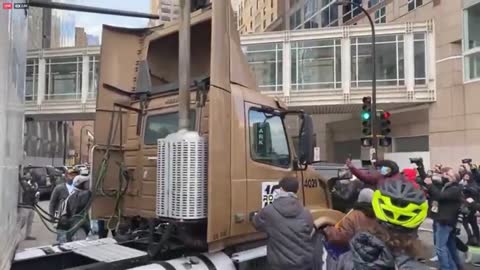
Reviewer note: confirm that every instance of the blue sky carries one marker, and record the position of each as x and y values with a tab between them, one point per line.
93	22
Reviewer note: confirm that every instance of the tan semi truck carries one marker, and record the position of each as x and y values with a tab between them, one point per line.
249	146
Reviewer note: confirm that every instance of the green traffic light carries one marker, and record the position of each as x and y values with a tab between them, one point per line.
365	115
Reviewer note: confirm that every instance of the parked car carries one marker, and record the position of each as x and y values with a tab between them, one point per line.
56	175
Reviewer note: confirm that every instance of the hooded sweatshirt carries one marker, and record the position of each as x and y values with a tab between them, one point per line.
360	219
289	227
374	177
367	252
411	176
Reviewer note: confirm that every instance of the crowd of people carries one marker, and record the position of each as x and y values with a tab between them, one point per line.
380	230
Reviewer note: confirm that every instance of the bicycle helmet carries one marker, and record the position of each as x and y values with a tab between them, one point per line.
399	203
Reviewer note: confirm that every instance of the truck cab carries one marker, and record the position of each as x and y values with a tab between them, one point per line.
250	144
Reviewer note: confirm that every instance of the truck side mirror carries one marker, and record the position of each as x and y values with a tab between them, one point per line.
305	155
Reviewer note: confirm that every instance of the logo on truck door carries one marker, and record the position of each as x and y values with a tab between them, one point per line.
267	192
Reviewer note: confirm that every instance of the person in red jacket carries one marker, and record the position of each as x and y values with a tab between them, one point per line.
385	169
411	176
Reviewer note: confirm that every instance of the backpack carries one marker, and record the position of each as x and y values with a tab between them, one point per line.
64	222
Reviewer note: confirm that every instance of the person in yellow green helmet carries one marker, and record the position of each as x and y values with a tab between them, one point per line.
400	208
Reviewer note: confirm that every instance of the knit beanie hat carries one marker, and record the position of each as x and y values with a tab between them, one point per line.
365	195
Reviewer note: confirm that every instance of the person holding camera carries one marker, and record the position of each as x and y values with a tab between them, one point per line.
420	169
445	206
471	194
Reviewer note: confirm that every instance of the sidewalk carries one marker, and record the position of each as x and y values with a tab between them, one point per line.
44	237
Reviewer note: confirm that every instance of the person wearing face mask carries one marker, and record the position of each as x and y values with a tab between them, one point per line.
289	227
444	210
61	192
386	170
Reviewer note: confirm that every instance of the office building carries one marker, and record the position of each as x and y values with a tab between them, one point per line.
447	128
168	10
257	15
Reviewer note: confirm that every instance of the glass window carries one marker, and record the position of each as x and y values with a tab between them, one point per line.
419	51
31	85
268	139
329	15
266	63
388	71
296	20
316	64
310	8
344	149
413	4
380	16
64	78
350	11
94	67
471	42
472	37
411	144
372	3
160	126
473	61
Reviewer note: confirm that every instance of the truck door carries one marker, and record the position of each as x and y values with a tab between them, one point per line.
268	155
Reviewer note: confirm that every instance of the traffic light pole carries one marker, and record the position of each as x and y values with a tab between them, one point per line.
374	76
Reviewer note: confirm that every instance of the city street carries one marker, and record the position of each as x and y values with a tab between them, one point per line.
44	237
181	121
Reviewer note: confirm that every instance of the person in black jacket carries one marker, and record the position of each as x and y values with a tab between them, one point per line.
445	206
74	223
471	195
61	192
30	196
475	173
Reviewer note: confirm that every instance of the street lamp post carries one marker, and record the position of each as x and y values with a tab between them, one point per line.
374	75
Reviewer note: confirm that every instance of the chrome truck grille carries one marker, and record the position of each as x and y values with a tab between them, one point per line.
182	176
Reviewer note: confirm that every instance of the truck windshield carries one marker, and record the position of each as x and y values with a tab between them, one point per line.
159	126
268	140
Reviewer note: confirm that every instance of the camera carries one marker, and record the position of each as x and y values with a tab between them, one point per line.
416	160
466	160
